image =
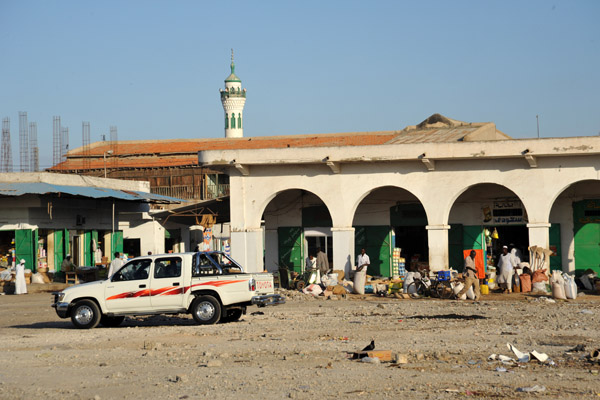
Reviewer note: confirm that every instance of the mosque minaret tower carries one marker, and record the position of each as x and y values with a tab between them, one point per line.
233	99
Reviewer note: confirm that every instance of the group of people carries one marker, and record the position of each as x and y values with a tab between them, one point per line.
507	262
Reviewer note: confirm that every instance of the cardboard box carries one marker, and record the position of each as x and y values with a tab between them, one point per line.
383	355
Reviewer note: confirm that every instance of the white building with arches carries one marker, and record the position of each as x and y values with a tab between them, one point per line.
434	190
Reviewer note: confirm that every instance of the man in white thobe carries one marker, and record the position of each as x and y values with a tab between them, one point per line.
506	263
115	264
20	284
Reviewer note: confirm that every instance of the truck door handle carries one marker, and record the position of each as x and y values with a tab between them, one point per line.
175	283
142	286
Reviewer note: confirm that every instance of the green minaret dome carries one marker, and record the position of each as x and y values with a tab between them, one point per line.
232	77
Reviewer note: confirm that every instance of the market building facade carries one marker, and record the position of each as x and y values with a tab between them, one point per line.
433	190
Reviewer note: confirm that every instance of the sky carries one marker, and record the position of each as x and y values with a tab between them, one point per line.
154	68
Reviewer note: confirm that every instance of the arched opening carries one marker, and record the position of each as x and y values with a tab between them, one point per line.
297	223
390	225
575	228
484	218
226	121
240	121
232	121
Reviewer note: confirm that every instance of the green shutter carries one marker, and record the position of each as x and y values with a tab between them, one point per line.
87	248
291	241
59	253
376	241
555	260
117	242
24	248
455	247
586	230
473	237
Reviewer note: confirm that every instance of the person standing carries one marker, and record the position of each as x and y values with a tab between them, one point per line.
322	262
311	262
506	263
20	284
115	264
360	275
470	275
67	265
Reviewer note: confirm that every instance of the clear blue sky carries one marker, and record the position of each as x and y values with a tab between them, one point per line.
154	68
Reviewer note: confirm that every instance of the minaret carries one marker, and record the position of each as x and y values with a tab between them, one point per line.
233	99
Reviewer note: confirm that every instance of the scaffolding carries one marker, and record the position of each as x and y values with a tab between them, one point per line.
85	133
64	143
35	151
56	141
23	142
6	164
114	146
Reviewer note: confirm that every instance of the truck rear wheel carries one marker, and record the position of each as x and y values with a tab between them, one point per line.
231	315
206	310
85	314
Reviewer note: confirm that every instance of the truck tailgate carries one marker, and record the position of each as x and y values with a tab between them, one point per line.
264	283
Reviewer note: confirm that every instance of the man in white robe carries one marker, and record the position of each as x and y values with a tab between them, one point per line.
20	284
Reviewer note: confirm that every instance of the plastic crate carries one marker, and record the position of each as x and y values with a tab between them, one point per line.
443	275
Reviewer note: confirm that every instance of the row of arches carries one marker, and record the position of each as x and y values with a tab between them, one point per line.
388	217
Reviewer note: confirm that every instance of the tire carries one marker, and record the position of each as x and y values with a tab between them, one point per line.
231	315
444	290
415	290
300	285
111	322
85	314
206	310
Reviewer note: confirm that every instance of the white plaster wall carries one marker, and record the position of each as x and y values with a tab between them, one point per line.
149	231
537	187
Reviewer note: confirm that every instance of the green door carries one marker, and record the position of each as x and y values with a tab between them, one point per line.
117	242
59	253
24	248
455	247
555	259
586	227
472	237
87	248
290	248
376	241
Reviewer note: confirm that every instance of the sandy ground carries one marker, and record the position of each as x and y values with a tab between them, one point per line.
298	350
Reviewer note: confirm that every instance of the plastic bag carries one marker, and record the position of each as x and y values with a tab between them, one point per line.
539	287
570	286
558	291
457	288
359	281
525	283
37	278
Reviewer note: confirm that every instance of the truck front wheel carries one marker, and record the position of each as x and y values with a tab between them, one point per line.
206	310
85	314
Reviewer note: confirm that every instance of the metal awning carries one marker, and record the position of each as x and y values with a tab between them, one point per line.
20	189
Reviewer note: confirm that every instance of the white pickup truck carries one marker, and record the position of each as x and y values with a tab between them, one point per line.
209	285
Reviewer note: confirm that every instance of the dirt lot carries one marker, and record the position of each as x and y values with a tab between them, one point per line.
298	350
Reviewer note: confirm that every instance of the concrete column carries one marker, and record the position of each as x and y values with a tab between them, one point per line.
539	234
437	236
271	250
247	249
343	249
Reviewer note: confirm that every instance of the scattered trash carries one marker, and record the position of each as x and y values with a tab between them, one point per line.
522	357
579	347
586	312
501	369
257	313
541	357
371	360
536	388
382	355
492	357
595	356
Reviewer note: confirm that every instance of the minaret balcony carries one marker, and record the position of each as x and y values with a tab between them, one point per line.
225	94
